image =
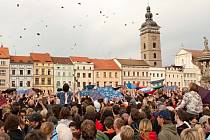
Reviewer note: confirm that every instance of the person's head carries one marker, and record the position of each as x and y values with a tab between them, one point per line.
127	133
4	136
145	126
164	117
181	115
65	87
109	122
192	134
35	135
47	128
11	126
116	109
88	130
2	127
193	87
64	113
35	120
52	119
118	123
74	110
125	117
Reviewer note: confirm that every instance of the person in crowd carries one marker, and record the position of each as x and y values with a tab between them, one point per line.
192	101
35	121
127	133
2	127
207	129
63	130
181	120
145	130
109	128
47	128
116	111
168	129
35	135
4	136
65	96
192	134
118	124
125	117
53	120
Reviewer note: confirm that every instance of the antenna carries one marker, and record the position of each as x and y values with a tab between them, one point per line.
147	2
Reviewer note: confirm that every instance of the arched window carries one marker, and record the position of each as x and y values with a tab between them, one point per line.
144	46
145	56
155	63
154	45
154	55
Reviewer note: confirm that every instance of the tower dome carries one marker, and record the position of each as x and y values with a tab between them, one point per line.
149	21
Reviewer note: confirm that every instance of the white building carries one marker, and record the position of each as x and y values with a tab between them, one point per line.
63	72
134	71
4	68
83	72
174	76
191	72
21	72
157	74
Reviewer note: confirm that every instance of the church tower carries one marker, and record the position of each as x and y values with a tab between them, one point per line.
150	41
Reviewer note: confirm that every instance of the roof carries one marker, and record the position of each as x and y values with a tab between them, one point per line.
21	59
132	62
195	53
105	64
80	59
41	57
61	60
4	53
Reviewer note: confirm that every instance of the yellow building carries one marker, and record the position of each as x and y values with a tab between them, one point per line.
43	72
106	73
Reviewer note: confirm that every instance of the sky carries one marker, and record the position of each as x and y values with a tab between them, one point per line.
101	28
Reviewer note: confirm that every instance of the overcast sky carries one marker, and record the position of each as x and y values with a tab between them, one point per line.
101	28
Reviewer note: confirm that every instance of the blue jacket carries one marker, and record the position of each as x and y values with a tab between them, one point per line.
61	96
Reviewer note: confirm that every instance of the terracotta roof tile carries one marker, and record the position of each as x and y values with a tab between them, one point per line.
80	59
21	59
105	64
61	60
133	62
4	53
41	57
195	53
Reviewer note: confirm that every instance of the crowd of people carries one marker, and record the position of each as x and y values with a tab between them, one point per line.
171	115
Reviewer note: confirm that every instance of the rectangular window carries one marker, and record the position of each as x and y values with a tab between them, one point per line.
133	73
43	72
84	75
49	81
104	84
157	74
153	74
13	72
142	74
64	74
124	73
84	85
2	72
97	84
37	71
78	75
43	81
128	73
2	82
97	74
13	83
84	68
21	83
137	73
110	74
104	74
147	74
36	81
59	74
116	84
58	83
28	72
89	75
48	72
78	84
3	63
115	75
28	83
161	75
154	45
21	72
110	83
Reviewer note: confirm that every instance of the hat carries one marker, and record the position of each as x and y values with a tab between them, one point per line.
133	102
165	114
97	106
203	119
35	117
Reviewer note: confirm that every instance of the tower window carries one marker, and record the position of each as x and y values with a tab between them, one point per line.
154	55
145	56
155	64
144	46
154	45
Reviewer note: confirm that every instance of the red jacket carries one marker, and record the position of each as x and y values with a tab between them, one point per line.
152	136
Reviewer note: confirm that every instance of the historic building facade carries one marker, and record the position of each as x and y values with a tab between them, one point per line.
43	72
134	71
63	72
21	72
157	74
106	73
150	41
83	72
191	72
4	68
